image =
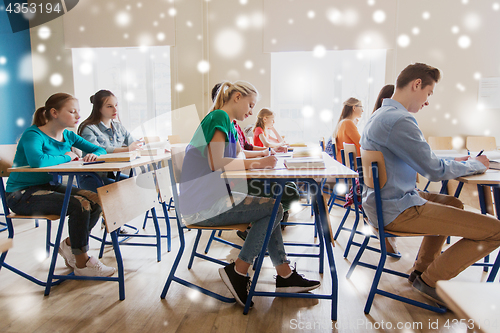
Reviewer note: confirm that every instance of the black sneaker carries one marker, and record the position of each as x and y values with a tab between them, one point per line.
427	291
295	283
238	285
242	234
284	220
413	276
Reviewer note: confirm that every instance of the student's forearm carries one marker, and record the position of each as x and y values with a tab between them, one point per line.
235	164
253	154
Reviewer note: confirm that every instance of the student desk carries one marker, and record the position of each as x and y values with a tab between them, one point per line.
280	174
489	178
71	169
478	304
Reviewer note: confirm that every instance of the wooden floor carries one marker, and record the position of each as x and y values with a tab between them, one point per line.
89	306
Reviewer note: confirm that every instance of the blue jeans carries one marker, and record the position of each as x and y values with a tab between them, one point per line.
89	183
83	209
250	209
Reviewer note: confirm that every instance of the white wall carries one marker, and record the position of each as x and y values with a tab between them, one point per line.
245	25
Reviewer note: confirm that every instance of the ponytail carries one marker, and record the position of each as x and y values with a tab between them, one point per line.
260	118
39	118
42	115
227	89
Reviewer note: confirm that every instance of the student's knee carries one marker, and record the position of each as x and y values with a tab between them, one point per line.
455	202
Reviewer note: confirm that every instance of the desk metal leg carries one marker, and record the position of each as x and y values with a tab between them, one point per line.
262	254
484	211
496	265
324	230
57	241
119	261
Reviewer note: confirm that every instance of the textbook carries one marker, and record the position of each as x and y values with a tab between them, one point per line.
300	153
119	157
152	152
494	165
305	163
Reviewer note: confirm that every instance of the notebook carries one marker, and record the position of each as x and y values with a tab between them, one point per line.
305	163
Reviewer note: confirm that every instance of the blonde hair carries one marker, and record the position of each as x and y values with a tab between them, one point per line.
260	118
347	111
227	89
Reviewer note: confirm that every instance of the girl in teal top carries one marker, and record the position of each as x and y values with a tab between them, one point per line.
47	142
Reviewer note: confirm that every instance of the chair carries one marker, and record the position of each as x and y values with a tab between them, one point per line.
7	153
175	168
374	176
439	143
174	139
478	143
158	236
122	202
349	158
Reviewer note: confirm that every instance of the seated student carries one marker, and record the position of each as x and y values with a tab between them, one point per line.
386	92
346	129
102	129
255	186
263	129
46	143
393	130
241	136
207	200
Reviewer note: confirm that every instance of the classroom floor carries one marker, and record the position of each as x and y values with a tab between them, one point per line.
90	306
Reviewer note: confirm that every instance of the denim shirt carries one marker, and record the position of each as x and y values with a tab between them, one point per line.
108	138
395	132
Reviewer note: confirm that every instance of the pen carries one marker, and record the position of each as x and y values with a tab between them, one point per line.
94	162
480	153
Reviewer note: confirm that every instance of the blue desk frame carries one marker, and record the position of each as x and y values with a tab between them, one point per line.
321	222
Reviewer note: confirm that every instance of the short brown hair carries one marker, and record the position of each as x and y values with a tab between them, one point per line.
426	73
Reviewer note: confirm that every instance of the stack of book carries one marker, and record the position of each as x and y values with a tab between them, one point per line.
305	163
308	152
119	157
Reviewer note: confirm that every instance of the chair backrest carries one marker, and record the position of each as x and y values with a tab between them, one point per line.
350	148
149	139
440	142
127	199
367	158
178	153
7	153
478	143
173	139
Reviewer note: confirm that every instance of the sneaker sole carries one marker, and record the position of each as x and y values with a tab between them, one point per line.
77	274
429	297
296	289
229	286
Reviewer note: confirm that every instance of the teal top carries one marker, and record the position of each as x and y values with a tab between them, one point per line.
38	150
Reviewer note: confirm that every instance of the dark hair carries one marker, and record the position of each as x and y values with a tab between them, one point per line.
426	73
97	101
215	91
56	101
386	92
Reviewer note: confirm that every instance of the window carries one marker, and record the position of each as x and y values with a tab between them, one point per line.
139	78
307	92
